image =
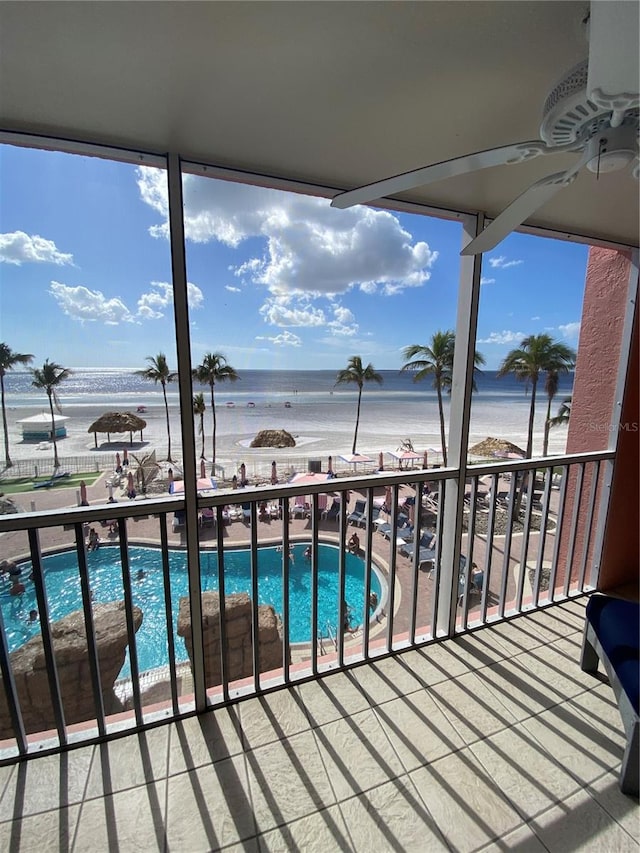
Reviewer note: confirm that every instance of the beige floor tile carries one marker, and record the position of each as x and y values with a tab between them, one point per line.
482	648
357	754
129	821
465	803
532	779
204	739
557	671
518	689
434	663
128	762
47	782
625	810
522	634
319	833
272	717
288	781
582	748
579	823
418	730
209	807
523	839
47	832
6	770
331	698
471	707
560	621
385	679
392	817
599	706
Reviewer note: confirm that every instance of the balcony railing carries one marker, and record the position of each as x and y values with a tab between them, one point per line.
435	557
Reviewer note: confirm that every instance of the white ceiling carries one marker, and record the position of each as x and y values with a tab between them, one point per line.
334	93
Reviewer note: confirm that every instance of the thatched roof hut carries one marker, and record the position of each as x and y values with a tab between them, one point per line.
492	446
117	422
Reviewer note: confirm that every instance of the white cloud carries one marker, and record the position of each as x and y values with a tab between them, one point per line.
484	280
504	337
502	263
283	311
153	304
90	305
536	317
232	289
284	339
19	248
570	330
308	247
343	323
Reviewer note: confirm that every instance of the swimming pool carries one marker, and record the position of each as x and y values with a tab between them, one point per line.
62	583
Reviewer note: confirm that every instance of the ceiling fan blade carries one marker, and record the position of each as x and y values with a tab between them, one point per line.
517	212
613	80
516	153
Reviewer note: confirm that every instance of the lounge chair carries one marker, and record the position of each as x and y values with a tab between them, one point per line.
358	513
363	521
425	543
246	513
207	517
300	508
333	512
403	530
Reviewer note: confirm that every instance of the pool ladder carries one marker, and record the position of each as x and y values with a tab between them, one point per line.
330	636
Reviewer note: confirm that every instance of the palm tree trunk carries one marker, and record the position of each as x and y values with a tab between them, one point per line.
545	443
443	438
166	410
56	461
355	434
7	461
202	433
213	437
532	416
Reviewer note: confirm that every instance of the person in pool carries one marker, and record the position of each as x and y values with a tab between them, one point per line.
353	545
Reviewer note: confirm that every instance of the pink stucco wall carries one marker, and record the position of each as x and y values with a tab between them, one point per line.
592	408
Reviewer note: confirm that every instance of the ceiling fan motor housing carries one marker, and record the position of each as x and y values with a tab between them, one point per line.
570	117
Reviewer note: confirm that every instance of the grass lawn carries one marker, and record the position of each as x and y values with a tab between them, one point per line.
25	484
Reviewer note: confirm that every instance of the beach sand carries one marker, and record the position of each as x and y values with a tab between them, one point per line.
320	430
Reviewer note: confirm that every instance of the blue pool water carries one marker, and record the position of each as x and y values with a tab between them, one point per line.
62	584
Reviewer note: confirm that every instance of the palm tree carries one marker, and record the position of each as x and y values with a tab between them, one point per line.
199	409
537	354
158	371
48	378
214	368
436	359
8	360
356	373
564	413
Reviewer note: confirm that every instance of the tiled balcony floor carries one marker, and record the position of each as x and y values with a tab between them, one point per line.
494	741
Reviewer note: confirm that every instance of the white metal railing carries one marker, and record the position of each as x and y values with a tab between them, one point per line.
517	553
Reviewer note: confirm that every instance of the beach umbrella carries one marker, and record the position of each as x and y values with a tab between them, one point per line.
405	456
203	469
243	474
83	494
489	446
125	457
204	484
274	473
118	462
381	461
117	422
305	479
131	492
330	465
170	478
425	459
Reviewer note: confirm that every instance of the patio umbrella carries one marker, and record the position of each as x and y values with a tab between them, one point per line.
131	491
125	457
83	494
203	469
425	460
381	461
118	463
274	473
170	478
243	474
330	465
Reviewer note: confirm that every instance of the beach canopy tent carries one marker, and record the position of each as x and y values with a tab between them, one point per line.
38	427
205	484
306	479
405	457
117	422
355	458
493	446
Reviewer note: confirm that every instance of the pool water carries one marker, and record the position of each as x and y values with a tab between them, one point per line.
62	583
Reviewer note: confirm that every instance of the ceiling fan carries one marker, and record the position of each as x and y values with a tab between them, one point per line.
591	112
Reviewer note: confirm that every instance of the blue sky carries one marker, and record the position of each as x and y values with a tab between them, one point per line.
276	280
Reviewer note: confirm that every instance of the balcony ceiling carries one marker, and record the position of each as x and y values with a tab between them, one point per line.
334	93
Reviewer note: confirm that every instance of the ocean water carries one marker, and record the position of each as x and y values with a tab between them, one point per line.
320	415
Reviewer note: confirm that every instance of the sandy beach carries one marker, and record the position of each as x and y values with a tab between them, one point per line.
320	428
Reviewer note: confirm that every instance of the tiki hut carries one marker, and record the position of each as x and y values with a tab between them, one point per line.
495	447
117	422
